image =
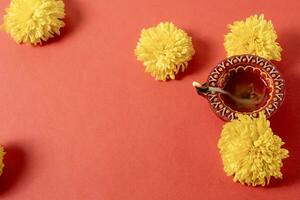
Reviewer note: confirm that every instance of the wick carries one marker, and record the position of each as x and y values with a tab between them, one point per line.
239	100
211	89
196	84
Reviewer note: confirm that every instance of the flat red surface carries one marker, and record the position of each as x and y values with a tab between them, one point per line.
81	120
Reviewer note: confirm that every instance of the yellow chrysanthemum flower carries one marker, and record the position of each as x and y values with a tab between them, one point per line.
2	153
254	36
164	50
34	21
250	151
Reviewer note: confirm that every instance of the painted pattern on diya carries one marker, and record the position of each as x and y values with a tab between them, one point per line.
239	75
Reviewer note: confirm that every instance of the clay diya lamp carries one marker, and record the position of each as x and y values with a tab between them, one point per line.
245	84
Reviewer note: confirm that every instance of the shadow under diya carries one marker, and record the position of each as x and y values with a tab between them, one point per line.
245	84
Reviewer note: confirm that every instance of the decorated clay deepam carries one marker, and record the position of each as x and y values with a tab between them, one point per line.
243	84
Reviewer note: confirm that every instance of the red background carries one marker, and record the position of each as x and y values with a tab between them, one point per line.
81	120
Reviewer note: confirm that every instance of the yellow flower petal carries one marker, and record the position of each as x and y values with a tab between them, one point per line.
254	36
250	151
34	21
165	50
